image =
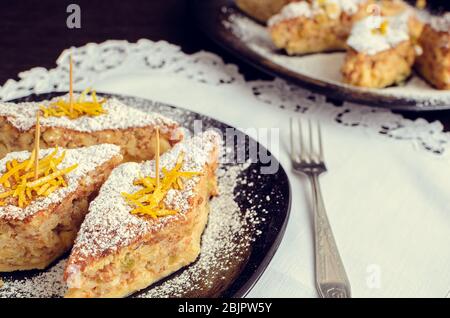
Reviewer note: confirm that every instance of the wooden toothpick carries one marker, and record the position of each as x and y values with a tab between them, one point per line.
71	83
157	157
37	136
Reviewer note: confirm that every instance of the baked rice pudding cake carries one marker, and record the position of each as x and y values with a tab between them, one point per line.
138	232
40	216
316	25
90	123
381	52
434	62
262	10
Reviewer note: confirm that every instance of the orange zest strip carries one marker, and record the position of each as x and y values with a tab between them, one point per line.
382	29
83	106
54	175
150	199
19	184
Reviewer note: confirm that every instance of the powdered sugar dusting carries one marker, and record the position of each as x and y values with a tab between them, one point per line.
292	11
315	7
227	236
108	227
363	38
43	285
441	23
117	116
87	158
229	232
232	250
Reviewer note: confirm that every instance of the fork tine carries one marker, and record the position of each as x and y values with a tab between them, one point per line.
311	142
302	142
319	132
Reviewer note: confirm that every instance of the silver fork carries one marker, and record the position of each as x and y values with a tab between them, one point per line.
331	279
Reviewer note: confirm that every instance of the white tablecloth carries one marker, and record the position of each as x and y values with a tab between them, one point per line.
387	190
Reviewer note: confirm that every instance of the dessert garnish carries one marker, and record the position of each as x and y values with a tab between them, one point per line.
150	199
83	106
24	181
382	29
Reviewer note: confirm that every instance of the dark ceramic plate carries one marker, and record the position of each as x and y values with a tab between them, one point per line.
214	17
246	262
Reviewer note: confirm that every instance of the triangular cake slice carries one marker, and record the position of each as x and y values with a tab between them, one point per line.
117	252
115	123
41	215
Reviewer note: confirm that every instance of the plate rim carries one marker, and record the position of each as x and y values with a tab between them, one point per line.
245	287
211	25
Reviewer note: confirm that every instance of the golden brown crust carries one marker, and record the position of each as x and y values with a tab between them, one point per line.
390	8
137	143
262	10
380	70
321	33
39	239
434	62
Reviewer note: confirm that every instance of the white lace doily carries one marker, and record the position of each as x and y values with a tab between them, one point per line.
388	183
98	61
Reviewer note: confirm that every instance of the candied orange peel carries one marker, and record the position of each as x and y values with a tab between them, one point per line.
150	199
20	185
78	108
382	29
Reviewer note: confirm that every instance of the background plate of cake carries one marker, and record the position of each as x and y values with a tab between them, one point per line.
386	53
88	216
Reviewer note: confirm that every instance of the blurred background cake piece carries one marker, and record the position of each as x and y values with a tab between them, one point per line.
262	10
434	62
381	52
317	25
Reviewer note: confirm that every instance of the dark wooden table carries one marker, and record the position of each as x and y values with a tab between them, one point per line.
33	33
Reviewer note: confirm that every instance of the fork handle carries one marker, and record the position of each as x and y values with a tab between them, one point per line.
331	279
